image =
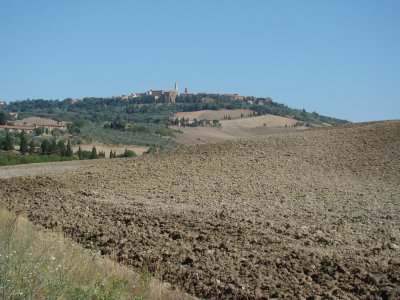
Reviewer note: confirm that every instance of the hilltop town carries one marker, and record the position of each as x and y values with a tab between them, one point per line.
170	96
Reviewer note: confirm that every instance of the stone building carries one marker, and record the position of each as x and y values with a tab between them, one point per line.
170	96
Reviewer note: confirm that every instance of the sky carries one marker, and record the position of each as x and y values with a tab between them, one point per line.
340	58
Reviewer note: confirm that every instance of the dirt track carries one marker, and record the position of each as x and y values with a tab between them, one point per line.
313	213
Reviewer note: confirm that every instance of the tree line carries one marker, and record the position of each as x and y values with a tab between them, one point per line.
47	147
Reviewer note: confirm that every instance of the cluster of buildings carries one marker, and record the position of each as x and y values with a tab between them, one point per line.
30	124
169	96
209	97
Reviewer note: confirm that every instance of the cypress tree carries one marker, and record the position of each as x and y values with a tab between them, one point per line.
111	154
53	146
80	153
3	118
31	148
69	152
93	155
61	148
8	145
45	147
23	145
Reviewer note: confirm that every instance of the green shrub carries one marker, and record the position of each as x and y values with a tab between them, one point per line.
128	153
153	150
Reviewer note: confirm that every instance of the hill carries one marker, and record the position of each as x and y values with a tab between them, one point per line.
90	118
149	109
141	121
302	214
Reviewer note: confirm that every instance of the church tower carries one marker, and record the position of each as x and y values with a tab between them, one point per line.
176	87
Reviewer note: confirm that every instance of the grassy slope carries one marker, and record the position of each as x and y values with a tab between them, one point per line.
35	264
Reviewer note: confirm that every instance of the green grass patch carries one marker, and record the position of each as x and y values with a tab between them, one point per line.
11	158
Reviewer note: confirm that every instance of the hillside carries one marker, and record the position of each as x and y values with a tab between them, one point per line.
237	127
213	114
146	109
140	121
300	214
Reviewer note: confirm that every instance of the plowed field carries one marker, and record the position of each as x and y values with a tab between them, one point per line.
309	214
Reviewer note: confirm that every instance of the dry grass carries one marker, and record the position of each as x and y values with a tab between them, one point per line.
35	264
213	114
119	149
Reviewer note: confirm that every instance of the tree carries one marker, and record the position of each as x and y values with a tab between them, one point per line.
195	123
93	155
69	152
45	147
111	154
151	150
79	152
55	132
3	118
60	148
74	128
38	131
23	145
8	144
128	153
53	146
31	148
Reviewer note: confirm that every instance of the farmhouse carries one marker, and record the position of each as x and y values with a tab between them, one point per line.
11	128
14	116
37	122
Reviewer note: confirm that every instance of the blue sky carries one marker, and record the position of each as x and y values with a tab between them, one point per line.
339	58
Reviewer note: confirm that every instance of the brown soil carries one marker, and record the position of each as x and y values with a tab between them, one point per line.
260	121
189	136
44	168
311	214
